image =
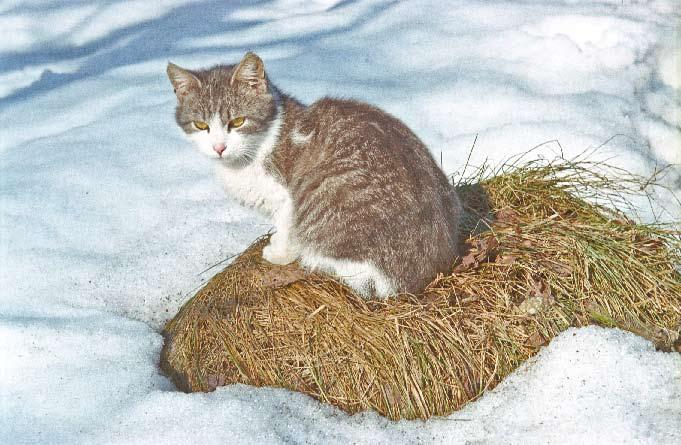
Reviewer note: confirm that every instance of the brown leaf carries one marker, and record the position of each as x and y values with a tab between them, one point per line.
540	288
483	250
215	380
469	260
505	259
458	268
486	249
536	340
492	243
650	246
506	215
280	276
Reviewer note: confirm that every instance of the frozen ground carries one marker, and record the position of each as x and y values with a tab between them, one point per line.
108	220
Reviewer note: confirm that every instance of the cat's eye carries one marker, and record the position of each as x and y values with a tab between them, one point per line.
201	125
237	122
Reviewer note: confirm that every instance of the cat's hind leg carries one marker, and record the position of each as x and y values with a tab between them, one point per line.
362	277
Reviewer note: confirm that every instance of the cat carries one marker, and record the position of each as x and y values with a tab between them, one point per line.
350	189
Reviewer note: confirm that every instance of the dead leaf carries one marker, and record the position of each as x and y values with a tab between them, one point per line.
506	215
650	246
280	276
506	259
536	340
469	260
487	245
540	288
215	380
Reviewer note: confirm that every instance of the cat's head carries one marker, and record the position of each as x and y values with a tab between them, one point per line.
228	111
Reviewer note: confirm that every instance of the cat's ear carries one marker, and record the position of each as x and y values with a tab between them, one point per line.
183	81
251	70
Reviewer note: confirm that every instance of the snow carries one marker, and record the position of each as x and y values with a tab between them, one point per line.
109	221
589	385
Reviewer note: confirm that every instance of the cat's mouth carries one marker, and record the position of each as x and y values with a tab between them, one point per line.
237	159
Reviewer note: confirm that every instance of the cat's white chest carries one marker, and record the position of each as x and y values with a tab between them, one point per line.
254	187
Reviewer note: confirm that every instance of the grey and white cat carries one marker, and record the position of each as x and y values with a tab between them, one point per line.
350	190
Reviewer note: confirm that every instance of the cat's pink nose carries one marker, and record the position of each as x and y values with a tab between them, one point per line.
219	148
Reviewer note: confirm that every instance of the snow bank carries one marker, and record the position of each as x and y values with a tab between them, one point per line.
109	220
589	385
65	376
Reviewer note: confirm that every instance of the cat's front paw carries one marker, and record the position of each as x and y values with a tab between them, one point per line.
278	256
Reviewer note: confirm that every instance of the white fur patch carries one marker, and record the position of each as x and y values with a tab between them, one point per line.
254	186
362	276
299	138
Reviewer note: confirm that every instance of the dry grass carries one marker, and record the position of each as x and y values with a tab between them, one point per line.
540	261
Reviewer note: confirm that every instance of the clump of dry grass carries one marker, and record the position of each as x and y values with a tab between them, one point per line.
540	260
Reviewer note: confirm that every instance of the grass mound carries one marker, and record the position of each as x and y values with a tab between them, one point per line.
538	260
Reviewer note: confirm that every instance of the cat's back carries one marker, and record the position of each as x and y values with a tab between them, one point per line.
365	187
336	113
375	148
346	119
345	133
